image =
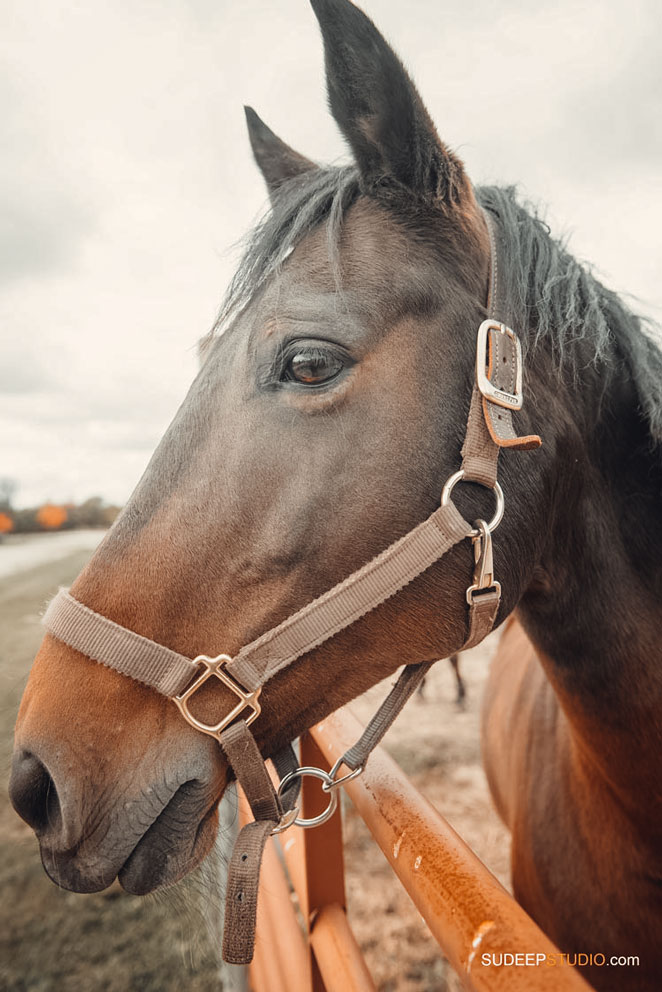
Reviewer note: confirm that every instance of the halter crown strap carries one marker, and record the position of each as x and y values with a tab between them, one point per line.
490	424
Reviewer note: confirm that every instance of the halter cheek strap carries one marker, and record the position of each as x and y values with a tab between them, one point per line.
497	392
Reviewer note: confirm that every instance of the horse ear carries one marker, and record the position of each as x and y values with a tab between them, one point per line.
276	160
379	110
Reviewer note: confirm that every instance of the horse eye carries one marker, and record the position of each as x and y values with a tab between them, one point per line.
313	368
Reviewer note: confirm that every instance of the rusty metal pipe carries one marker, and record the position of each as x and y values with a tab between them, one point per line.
467	910
337	954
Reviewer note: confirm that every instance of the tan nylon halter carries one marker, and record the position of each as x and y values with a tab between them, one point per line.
496	393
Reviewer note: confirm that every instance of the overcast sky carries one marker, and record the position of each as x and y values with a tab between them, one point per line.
126	178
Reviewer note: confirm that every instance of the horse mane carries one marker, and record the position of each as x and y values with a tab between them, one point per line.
564	306
556	301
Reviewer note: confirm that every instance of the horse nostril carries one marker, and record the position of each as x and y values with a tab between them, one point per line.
32	792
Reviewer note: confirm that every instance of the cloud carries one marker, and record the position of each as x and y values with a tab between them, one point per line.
619	119
20	370
44	215
41	230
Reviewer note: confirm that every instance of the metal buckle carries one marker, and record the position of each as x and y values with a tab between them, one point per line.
484	569
512	401
214	667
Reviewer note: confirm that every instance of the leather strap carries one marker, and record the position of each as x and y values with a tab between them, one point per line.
346	602
502	365
242	892
243	883
502	360
248	765
103	640
107	642
408	682
482	614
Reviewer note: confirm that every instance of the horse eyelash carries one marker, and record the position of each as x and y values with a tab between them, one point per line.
270	372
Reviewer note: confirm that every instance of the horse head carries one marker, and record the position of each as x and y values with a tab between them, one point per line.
328	412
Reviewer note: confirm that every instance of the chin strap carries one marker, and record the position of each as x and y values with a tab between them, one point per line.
244	757
496	393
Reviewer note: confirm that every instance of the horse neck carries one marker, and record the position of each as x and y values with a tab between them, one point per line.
595	609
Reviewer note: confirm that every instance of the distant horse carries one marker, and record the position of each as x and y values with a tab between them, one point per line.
320	428
460	687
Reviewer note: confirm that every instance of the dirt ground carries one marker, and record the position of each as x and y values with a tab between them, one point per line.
438	745
53	941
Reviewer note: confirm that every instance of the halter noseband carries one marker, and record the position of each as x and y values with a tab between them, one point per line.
497	392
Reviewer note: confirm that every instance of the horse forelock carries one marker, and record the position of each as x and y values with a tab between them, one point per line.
325	196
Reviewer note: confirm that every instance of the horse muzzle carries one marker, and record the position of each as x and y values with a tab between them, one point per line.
149	840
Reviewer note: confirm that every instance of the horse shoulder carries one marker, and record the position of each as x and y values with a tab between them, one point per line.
521	715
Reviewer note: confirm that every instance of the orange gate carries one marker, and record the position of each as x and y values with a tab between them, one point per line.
467	910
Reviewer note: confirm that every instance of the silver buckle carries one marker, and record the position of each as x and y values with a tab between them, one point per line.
214	668
512	401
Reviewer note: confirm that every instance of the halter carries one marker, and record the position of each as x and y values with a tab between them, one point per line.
497	392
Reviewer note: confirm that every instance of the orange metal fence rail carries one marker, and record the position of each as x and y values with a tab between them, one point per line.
305	943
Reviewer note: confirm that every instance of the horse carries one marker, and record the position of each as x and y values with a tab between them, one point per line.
326	416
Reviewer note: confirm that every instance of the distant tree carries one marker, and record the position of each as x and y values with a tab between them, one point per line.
94	512
8	489
25	521
110	514
51	517
91	512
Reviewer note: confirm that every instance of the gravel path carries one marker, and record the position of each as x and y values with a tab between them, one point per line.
22	552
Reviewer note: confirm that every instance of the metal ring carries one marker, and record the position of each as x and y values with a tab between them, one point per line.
286	821
450	484
314	821
330	787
